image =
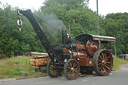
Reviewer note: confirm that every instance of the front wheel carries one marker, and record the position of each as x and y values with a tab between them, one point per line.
51	70
71	69
103	62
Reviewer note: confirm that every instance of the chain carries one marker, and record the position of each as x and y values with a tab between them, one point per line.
19	21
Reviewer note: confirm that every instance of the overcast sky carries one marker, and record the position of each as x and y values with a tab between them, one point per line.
105	6
109	6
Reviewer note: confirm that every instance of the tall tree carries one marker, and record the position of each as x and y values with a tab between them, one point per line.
116	25
13	42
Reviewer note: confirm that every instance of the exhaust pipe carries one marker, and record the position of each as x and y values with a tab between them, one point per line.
64	36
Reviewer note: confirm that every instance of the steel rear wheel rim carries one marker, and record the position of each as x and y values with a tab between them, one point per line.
103	63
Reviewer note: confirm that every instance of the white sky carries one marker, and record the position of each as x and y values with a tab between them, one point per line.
109	6
28	4
105	6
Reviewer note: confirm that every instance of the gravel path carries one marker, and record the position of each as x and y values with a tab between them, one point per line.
124	67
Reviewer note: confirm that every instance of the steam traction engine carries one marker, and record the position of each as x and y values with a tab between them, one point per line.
81	55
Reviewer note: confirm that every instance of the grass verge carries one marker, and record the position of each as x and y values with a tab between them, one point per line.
117	62
11	68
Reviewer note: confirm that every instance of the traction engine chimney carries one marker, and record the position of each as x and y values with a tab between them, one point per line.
64	36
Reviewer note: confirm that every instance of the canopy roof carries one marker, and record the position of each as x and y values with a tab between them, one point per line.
86	37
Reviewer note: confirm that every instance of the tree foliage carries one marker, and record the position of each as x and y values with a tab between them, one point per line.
76	16
116	25
13	42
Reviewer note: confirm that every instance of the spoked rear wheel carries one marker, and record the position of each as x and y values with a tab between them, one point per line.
103	62
51	70
71	69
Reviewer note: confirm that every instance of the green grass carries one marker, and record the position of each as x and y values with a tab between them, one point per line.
117	62
11	68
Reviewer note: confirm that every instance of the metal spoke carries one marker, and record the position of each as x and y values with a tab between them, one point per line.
107	58
102	55
68	67
109	62
70	64
107	67
69	72
99	63
104	70
99	60
74	65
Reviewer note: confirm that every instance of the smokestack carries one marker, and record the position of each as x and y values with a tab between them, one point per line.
64	36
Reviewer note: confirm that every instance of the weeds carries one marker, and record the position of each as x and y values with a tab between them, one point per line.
11	68
117	62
